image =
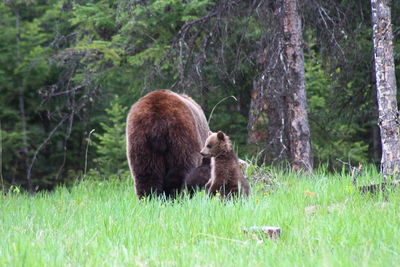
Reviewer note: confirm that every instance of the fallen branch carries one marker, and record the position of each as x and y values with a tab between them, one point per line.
355	172
381	187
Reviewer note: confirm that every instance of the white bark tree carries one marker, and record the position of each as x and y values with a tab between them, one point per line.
386	87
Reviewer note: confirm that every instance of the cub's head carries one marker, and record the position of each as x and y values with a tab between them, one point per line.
216	144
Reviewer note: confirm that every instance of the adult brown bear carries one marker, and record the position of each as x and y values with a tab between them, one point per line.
165	132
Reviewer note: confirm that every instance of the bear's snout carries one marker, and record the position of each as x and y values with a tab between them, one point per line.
204	154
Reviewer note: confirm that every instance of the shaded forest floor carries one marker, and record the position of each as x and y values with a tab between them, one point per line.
324	221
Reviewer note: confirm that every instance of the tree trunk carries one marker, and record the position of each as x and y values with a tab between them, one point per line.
268	120
299	130
21	104
376	138
25	148
268	123
386	87
258	114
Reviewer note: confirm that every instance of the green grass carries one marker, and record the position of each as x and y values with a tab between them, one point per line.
103	224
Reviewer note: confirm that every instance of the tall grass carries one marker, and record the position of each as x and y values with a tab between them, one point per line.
102	223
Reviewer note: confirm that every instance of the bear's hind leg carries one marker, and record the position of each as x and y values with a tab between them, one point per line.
146	186
173	181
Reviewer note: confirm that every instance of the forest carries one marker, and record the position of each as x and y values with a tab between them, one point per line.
305	90
71	69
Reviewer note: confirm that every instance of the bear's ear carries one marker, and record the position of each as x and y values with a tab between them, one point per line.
210	133
221	136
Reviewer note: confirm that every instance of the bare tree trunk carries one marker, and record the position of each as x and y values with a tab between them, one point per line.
21	104
376	138
386	87
267	124
257	124
25	148
279	100
268	121
299	130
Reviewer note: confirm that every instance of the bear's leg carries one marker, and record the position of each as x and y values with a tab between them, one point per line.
173	181
147	185
148	168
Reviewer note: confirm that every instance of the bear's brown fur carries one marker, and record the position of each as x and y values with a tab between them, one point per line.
165	132
198	177
226	176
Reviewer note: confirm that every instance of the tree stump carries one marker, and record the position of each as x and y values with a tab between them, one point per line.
270	232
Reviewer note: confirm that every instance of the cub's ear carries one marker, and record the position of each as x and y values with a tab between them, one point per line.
221	136
210	133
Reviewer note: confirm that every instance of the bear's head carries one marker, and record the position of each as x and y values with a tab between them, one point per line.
217	144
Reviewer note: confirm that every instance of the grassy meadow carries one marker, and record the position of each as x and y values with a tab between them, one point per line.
324	222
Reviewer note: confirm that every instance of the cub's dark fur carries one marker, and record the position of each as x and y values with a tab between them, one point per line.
198	177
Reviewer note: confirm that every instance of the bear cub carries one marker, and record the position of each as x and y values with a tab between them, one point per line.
226	176
198	177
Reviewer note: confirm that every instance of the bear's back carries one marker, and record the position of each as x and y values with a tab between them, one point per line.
165	132
166	116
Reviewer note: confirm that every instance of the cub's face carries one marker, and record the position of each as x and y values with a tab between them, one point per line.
216	144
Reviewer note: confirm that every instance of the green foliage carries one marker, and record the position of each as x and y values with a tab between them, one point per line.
24	69
57	54
333	136
10	141
228	119
110	144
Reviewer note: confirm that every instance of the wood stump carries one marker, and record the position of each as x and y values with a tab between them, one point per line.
270	232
